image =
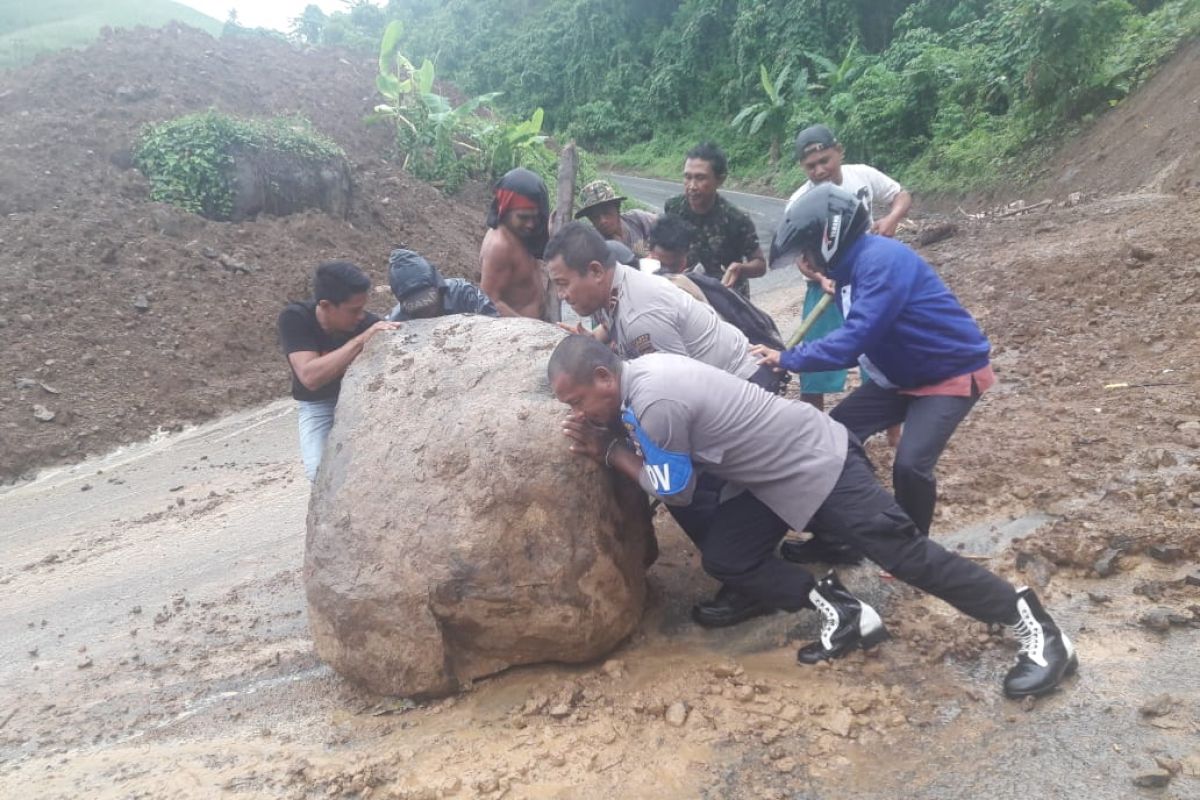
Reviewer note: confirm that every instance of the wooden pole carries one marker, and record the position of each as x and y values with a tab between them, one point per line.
564	207
825	302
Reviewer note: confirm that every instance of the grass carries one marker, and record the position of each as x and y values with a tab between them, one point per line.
30	27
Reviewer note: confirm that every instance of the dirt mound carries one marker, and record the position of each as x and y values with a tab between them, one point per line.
1150	142
121	316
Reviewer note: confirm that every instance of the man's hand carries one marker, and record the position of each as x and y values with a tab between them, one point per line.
886	226
586	439
827	284
732	273
765	355
900	206
599	333
382	325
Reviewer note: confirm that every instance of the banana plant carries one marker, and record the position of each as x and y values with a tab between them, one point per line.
770	116
512	144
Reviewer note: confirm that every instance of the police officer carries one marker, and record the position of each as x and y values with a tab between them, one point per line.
642	314
799	469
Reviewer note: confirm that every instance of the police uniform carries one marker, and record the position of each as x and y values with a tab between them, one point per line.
648	314
797	469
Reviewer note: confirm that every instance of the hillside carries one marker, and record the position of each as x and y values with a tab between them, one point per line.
1149	141
79	239
27	29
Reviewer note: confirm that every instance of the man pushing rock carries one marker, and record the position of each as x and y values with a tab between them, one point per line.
798	469
640	314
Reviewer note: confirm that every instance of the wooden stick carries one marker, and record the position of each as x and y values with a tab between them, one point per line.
568	165
819	309
1012	212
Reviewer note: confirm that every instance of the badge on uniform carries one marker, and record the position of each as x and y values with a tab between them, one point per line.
669	472
642	345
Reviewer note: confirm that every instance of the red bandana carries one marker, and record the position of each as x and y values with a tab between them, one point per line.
508	200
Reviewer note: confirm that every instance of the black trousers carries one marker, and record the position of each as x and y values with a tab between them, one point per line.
738	545
928	424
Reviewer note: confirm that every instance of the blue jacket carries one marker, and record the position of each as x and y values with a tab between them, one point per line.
902	318
458	297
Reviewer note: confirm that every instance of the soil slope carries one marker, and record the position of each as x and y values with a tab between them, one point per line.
1150	141
80	241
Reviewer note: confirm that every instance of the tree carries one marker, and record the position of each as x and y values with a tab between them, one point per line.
309	27
770	116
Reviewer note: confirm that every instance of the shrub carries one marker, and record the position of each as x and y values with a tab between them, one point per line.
187	160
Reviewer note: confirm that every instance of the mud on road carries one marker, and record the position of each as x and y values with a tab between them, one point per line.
154	640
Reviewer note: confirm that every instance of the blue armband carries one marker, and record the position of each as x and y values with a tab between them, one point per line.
669	472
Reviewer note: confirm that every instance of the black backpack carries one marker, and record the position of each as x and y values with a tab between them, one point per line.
739	312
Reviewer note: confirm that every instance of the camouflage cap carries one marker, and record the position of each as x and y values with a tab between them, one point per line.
596	193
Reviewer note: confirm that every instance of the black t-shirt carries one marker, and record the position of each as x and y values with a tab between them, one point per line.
299	331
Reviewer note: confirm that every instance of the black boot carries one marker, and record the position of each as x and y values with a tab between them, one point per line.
729	607
1046	655
819	551
848	623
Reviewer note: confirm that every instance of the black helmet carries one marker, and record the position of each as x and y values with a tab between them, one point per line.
414	281
820	224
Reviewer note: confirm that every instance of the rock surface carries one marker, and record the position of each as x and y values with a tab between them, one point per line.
450	532
279	183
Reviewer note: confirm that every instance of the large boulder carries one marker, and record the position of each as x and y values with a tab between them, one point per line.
275	182
450	532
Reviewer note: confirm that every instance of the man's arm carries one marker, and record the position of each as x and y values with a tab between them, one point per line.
496	272
664	422
886	226
314	370
886	189
879	297
467	298
753	267
753	264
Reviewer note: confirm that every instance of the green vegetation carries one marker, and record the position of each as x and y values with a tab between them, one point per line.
446	144
187	160
945	94
28	28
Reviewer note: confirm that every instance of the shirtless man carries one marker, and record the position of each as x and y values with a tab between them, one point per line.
509	260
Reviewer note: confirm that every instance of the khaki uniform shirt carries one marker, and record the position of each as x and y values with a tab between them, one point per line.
786	452
649	314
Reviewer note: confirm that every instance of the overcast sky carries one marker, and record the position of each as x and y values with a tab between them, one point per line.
277	14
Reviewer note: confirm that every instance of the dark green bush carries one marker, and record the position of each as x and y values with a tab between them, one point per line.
187	159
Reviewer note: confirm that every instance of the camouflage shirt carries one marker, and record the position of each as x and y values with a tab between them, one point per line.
724	235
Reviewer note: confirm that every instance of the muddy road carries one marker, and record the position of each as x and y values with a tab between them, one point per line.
154	645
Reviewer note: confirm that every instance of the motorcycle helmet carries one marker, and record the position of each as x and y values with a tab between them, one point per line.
821	225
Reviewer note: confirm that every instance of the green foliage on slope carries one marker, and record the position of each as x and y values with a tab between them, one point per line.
943	93
29	27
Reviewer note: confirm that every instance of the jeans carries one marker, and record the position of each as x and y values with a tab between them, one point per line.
316	419
928	424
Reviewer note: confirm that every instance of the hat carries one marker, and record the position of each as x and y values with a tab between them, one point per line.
409	274
422	300
596	193
814	139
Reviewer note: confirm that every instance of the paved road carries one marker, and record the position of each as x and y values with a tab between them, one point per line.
765	211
